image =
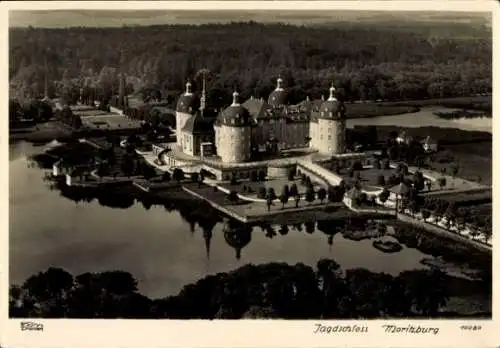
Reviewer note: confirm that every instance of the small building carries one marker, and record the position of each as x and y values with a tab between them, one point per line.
404	138
196	131
351	197
429	144
398	191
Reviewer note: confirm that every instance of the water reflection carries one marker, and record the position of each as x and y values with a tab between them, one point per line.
170	242
238	235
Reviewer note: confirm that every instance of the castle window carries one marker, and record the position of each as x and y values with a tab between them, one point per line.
329	137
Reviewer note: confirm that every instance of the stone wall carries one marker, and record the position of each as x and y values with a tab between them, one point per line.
233	143
279	171
180	121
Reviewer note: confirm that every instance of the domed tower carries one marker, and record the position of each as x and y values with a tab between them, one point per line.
278	97
330	131
232	132
237	236
186	107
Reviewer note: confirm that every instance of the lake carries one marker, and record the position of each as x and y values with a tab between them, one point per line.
157	246
426	118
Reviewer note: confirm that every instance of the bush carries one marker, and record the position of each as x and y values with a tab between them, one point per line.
357	165
386	164
381	180
233	196
253	176
262	175
262	193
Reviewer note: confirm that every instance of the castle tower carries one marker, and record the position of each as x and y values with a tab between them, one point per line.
46	80
329	135
278	97
185	109
232	132
203	100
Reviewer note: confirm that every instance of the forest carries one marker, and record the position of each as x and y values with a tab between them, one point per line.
366	61
274	290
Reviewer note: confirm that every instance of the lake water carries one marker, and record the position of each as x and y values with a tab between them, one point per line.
158	247
426	118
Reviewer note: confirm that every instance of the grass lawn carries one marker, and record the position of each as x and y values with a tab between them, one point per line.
259	209
276	184
373	110
475	161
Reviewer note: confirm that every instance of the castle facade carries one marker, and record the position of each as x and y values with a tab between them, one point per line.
243	129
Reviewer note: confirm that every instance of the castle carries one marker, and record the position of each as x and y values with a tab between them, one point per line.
243	129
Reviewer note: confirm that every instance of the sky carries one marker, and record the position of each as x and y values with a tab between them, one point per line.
57	17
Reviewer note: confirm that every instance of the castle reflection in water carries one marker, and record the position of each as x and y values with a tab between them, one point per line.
236	234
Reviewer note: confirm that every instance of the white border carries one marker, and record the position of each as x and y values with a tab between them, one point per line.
90	333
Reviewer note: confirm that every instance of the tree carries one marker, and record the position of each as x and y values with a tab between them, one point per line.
195	177
381	180
419	181
254	176
233	197
429	184
262	193
234	179
442	182
303	179
178	175
294	190
386	164
297	200
270	197
310	194
283	200
291	175
427	290
284	230
384	196
426	214
321	194
201	178
262	175
285	194
166	177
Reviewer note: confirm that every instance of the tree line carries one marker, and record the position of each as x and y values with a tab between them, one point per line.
367	61
274	290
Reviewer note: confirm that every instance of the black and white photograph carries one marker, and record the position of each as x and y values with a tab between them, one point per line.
230	164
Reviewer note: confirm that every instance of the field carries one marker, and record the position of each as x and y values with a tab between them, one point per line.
109	122
276	184
472	150
366	110
468	198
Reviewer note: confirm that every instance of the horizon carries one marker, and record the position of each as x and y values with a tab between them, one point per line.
108	18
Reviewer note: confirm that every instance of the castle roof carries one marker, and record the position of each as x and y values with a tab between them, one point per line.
235	114
331	108
198	124
353	193
278	97
257	108
400	189
188	102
